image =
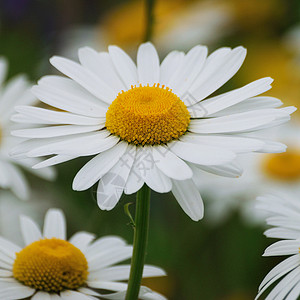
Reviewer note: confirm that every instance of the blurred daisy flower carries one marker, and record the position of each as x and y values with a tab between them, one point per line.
50	267
276	58
194	21
151	123
284	216
276	172
15	92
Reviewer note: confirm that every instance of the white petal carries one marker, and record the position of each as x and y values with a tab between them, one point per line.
170	164
15	290
111	185
28	163
223	101
135	180
101	64
147	294
30	230
158	181
55	224
118	273
242	122
4	264
108	285
147	64
280	289
54	161
109	257
82	240
281	269
232	170
124	66
272	147
73	295
190	68
9	248
67	95
87	144
85	78
169	66
104	244
188	198
4	178
11	94
54	297
41	296
17	181
5	259
55	131
254	103
21	149
46	116
6	273
282	233
201	154
98	166
217	70
295	292
237	144
87	291
283	248
152	176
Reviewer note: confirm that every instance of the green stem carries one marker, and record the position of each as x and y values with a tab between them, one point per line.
142	212
139	242
149	19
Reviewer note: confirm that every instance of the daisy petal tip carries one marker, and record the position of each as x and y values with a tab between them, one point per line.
161	272
54	60
34	87
84	49
147	44
76	185
292	109
266	253
37	166
197	217
56	211
113	48
104	207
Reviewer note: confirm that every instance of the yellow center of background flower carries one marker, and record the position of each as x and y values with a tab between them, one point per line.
283	166
51	265
147	115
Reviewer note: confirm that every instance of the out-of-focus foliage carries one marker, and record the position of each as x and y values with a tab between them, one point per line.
204	261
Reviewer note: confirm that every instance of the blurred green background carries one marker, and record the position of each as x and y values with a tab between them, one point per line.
204	260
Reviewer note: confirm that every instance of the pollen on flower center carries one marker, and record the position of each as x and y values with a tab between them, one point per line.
51	265
147	115
283	166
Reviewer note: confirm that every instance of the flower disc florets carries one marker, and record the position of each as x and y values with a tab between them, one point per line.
283	166
147	115
51	265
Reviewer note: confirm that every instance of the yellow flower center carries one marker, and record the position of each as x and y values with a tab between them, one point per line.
283	166
51	265
147	115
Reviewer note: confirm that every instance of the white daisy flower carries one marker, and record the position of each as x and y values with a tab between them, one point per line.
151	123
285	219
50	267
15	92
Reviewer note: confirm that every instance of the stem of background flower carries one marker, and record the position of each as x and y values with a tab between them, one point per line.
149	19
139	242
